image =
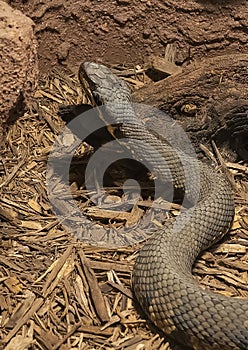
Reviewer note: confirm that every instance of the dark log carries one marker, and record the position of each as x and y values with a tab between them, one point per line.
209	99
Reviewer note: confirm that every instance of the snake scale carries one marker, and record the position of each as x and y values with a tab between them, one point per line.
162	278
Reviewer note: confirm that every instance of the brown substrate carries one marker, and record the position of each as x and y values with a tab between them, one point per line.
125	31
58	293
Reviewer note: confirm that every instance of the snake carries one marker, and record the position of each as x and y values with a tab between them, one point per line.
162	278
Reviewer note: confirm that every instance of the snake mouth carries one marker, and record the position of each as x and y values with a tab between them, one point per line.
87	83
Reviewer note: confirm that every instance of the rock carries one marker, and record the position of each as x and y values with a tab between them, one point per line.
18	64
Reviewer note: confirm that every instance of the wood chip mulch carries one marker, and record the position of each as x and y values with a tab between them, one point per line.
60	293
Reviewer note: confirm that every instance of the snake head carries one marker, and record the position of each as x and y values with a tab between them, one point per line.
105	86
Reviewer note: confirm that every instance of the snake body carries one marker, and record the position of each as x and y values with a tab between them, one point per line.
162	279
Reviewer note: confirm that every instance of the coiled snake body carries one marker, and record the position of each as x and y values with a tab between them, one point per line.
162	278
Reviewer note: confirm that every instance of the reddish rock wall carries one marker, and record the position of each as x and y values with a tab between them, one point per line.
18	63
125	31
